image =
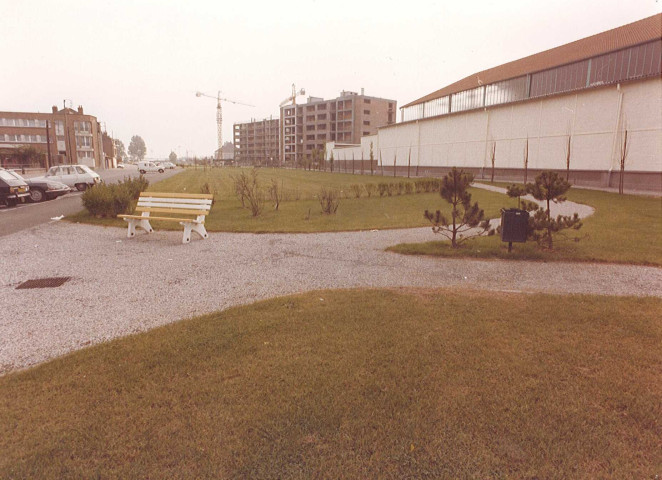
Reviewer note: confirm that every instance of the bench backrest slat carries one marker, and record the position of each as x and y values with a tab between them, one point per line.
170	204
207	196
172	210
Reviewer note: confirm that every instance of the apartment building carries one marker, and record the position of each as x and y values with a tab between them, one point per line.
256	142
63	136
305	128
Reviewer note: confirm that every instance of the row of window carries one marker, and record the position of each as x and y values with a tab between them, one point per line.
22	122
630	63
8	137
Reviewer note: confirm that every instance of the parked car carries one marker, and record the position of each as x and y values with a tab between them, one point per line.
12	189
120	165
144	167
169	165
41	190
74	176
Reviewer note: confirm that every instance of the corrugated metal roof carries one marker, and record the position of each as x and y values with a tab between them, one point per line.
628	35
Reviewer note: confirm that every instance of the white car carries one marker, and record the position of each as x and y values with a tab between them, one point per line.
144	167
169	165
74	176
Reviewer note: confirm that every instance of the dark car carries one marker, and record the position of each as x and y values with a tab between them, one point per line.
13	189
42	189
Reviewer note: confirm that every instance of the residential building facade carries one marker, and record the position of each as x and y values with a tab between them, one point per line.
306	128
570	105
63	136
257	142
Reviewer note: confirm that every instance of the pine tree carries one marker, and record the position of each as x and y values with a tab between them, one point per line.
467	220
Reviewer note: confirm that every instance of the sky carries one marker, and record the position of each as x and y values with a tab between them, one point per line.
136	65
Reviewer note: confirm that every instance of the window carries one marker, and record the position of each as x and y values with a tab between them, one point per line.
366	100
366	122
366	112
59	128
83	127
79	169
366	134
83	142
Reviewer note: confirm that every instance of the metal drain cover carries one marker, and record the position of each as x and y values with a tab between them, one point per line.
51	282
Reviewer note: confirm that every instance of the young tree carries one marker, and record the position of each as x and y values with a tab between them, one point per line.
172	157
493	160
568	151
137	148
548	187
119	149
526	159
372	159
331	161
622	159
467	220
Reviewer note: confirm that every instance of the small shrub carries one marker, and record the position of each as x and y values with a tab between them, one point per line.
409	188
391	189
275	193
108	200
356	189
247	189
370	188
382	188
329	200
135	185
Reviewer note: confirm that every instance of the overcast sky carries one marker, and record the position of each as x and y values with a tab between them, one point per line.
136	65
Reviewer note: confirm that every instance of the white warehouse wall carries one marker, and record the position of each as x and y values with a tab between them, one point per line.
594	118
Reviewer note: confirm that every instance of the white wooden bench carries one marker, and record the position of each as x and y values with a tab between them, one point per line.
196	205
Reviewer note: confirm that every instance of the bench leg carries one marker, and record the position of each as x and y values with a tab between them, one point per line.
198	228
135	223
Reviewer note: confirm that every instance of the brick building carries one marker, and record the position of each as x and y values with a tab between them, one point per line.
256	142
63	136
307	127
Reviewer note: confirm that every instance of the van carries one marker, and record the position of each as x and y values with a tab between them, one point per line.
144	167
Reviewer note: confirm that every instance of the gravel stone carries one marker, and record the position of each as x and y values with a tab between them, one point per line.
121	286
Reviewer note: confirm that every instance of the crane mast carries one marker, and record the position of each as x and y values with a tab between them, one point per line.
219	117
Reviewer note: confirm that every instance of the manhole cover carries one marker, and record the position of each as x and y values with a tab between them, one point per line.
44	282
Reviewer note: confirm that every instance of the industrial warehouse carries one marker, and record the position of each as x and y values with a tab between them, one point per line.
586	106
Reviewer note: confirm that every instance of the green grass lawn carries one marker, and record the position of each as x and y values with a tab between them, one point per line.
624	229
354	384
304	214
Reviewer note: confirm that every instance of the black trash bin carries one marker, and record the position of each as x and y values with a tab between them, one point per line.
514	224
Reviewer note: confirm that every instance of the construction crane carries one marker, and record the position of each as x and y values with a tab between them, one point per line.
293	98
219	117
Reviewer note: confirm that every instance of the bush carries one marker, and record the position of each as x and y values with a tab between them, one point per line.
409	188
356	189
370	188
329	200
135	185
382	188
109	200
247	189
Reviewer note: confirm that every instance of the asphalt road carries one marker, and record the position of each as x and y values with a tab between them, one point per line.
28	215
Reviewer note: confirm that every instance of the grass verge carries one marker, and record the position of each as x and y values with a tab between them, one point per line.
304	214
624	229
354	384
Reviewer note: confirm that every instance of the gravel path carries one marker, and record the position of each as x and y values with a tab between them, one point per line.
122	286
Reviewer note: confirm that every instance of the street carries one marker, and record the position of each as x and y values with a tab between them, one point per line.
28	215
